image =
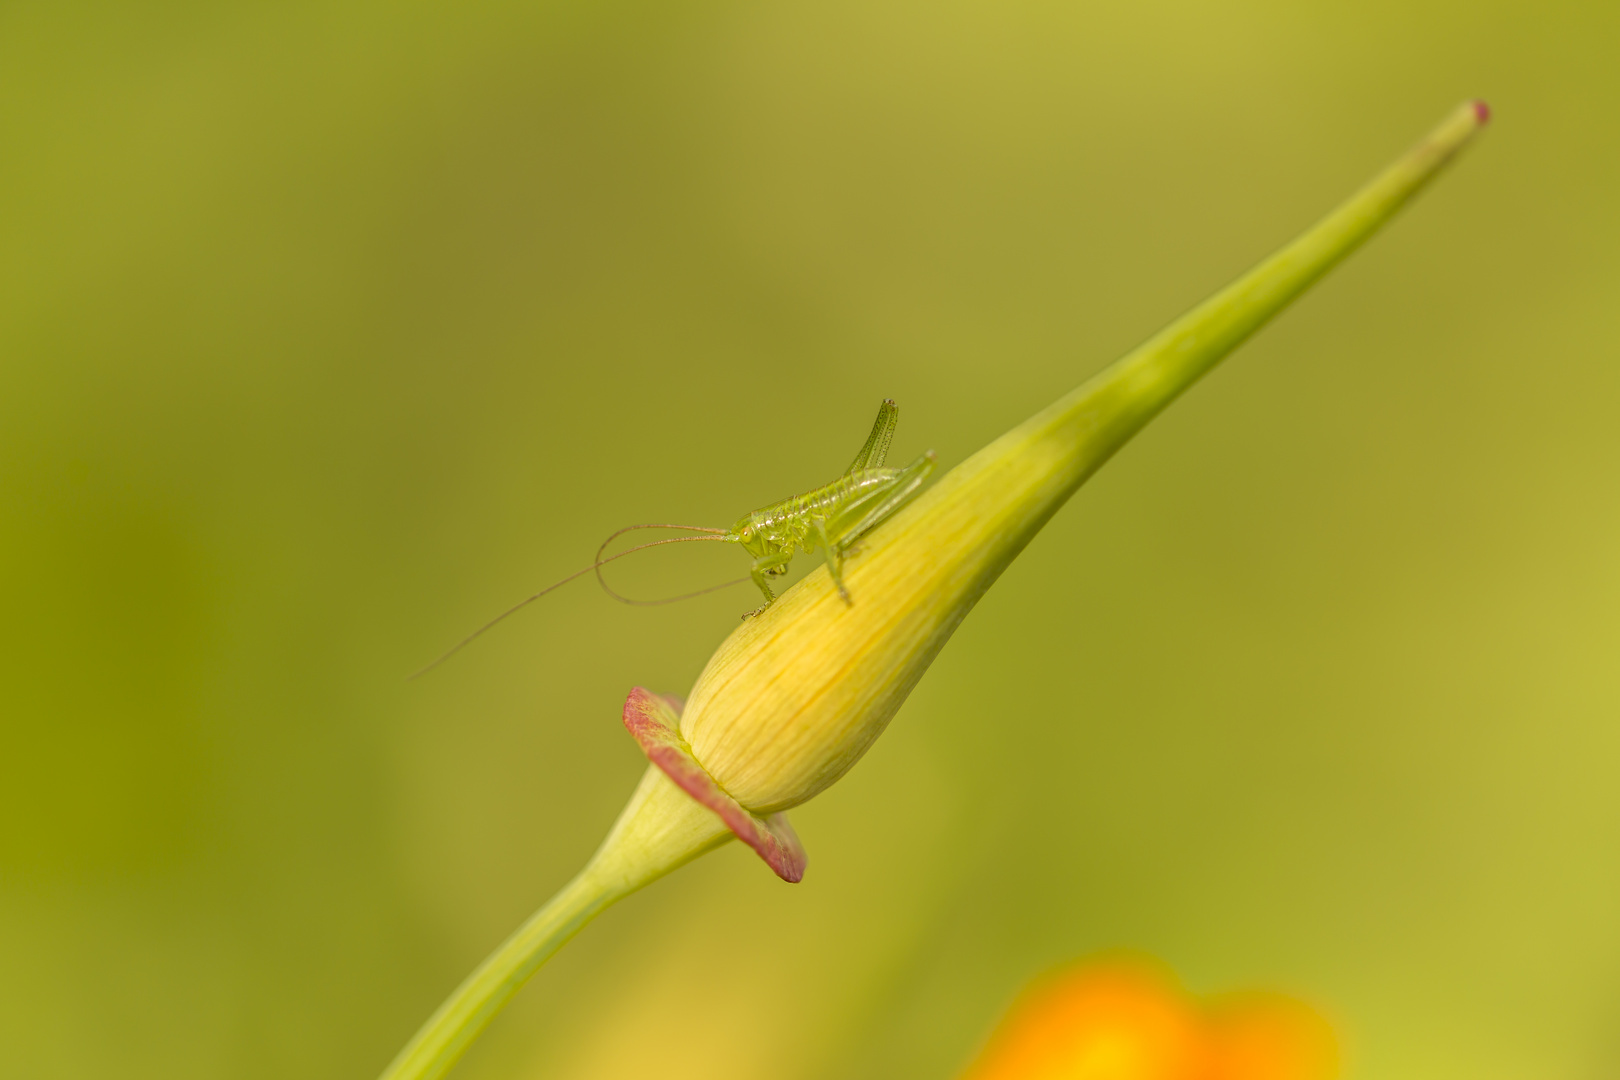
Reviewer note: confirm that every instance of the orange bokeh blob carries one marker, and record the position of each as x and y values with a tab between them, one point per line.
1128	1019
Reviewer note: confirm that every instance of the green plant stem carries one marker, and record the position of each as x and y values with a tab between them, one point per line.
994	503
660	829
1105	412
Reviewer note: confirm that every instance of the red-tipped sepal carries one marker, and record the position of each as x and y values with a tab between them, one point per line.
654	720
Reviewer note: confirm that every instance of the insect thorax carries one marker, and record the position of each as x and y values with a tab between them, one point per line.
792	522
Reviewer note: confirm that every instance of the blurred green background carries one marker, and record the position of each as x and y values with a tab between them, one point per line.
329	329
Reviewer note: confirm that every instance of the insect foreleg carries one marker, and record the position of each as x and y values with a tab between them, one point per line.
768	566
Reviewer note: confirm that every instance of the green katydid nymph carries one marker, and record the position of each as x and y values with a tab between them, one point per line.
834	517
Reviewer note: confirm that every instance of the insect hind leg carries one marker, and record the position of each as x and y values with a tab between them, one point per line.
835	560
876	449
906	483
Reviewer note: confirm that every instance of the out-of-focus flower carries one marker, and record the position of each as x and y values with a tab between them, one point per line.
1128	1019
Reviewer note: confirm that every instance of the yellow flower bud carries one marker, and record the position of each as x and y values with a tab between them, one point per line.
794	697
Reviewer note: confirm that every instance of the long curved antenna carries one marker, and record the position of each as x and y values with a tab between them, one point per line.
721	534
464	642
674	599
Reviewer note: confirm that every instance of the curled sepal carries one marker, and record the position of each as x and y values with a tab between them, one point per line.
654	720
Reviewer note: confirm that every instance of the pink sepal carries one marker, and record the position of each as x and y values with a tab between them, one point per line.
654	720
